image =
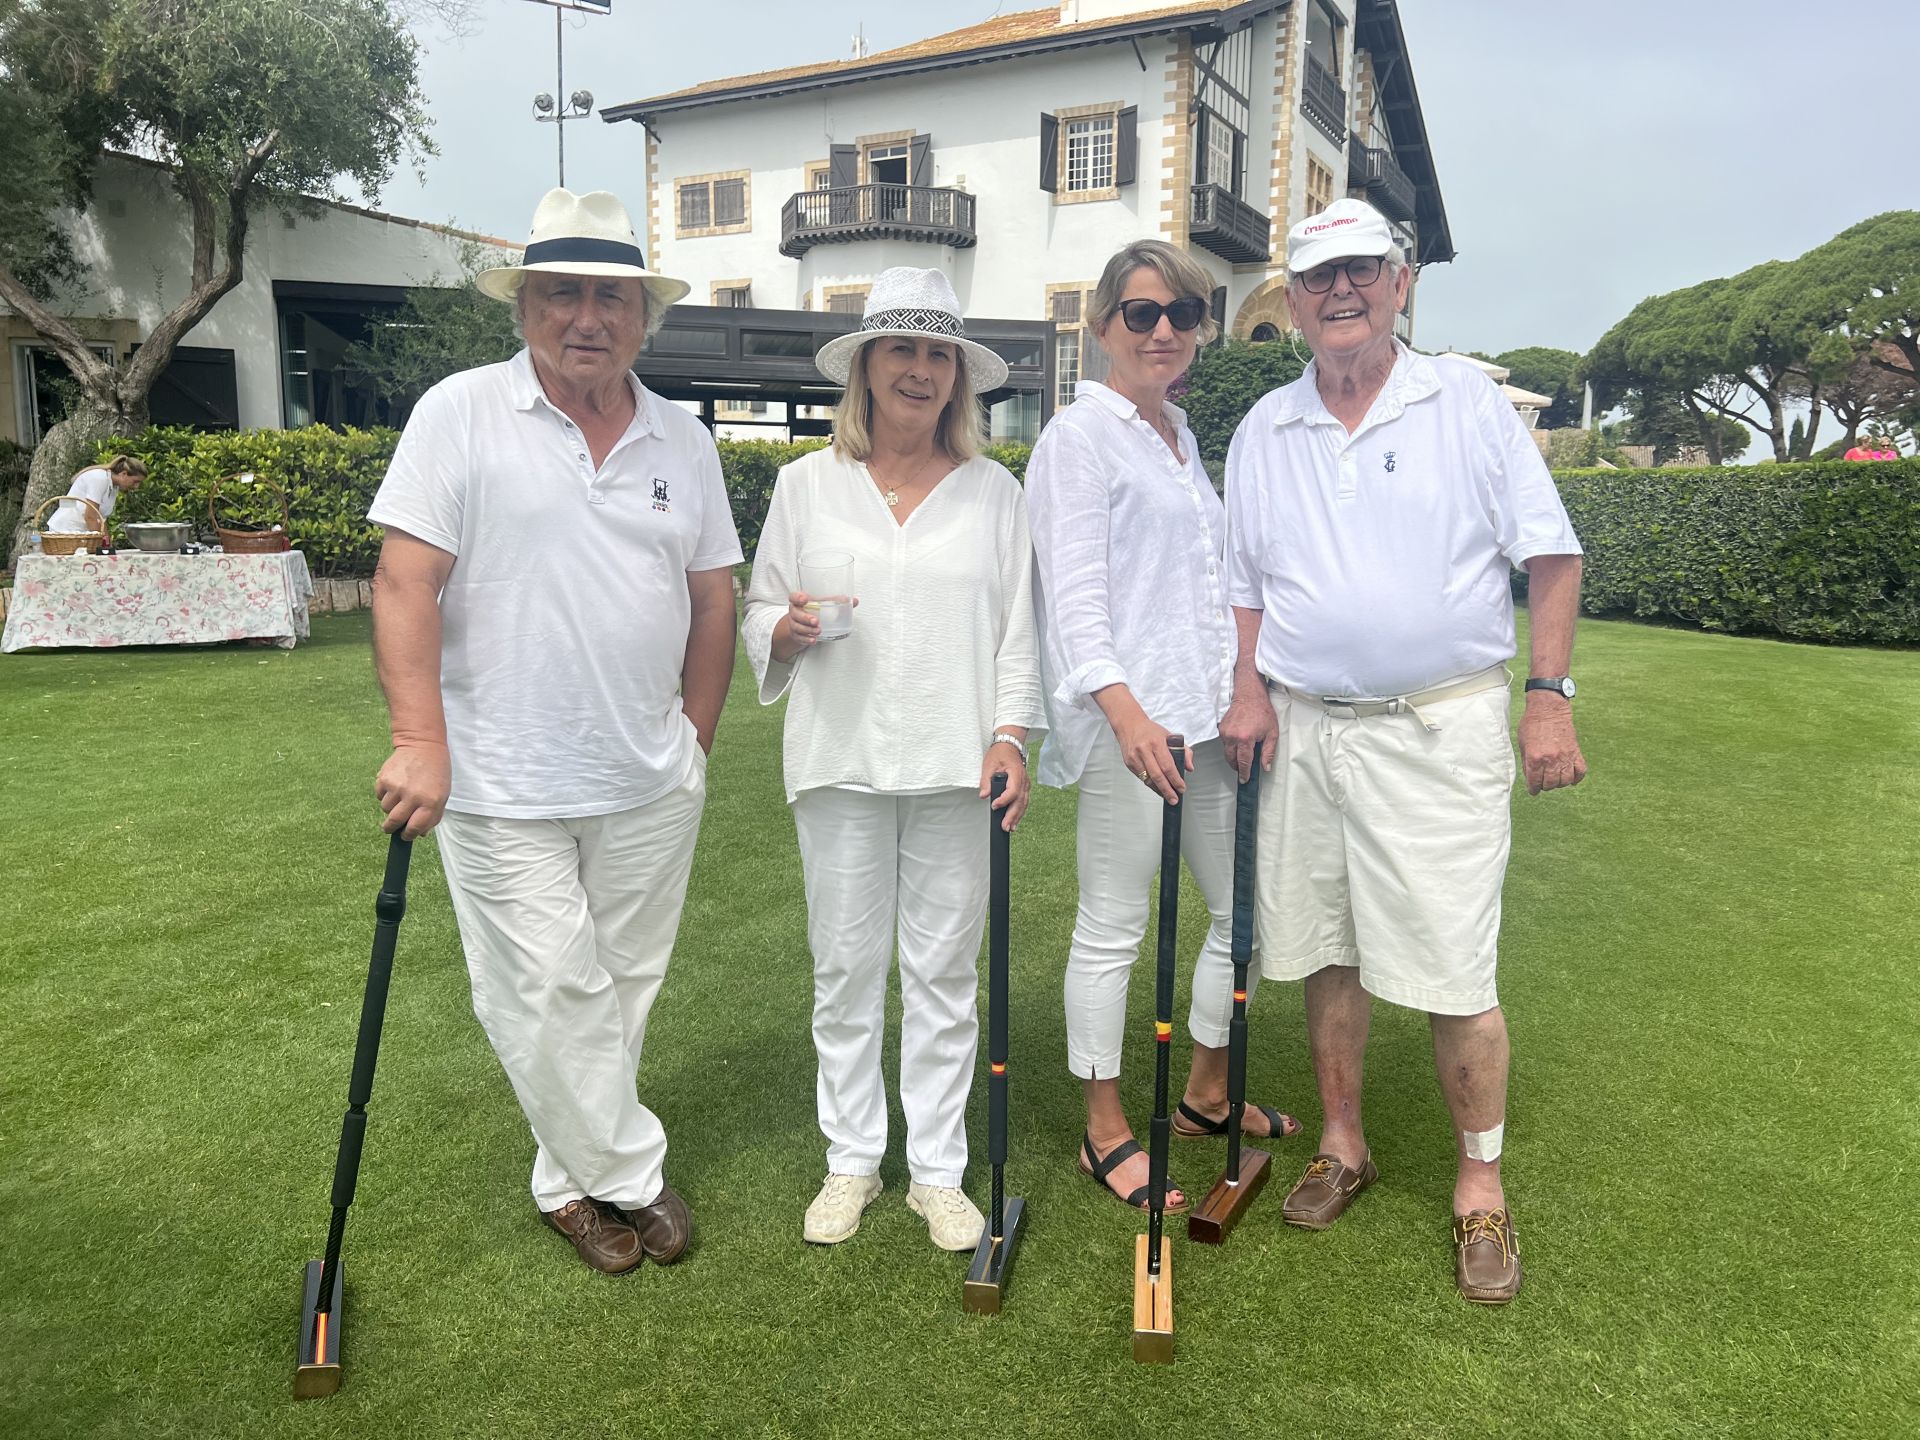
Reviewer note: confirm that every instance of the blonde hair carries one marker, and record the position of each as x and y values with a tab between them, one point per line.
959	431
1183	275
127	465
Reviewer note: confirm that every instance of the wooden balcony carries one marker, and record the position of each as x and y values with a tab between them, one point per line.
1323	102
1229	227
876	212
1388	187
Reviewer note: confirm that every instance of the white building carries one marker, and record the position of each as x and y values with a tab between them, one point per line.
1019	153
269	353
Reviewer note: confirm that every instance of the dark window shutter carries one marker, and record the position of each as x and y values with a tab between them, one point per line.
843	165
920	160
1240	165
1126	165
1217	303
1202	122
1049	153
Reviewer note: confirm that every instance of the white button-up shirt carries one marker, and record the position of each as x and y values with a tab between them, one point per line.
1130	576
941	653
1380	560
564	621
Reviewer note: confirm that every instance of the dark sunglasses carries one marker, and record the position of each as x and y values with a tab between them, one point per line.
1142	315
1362	271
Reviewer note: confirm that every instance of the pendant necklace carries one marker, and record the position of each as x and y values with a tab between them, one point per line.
893	491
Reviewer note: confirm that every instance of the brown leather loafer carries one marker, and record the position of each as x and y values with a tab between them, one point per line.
1326	1190
1486	1263
605	1241
664	1227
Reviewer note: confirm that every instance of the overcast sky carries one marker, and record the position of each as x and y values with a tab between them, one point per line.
1589	155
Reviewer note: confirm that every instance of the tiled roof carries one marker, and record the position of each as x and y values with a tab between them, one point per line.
990	34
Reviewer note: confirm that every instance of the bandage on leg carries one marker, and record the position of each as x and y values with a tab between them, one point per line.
1484	1145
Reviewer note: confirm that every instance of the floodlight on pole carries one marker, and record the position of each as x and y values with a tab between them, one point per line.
579	105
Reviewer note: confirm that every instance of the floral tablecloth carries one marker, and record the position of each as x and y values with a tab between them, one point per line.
134	598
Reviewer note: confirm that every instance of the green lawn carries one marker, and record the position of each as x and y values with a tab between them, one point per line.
1710	963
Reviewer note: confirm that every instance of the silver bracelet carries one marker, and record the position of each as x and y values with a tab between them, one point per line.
1001	737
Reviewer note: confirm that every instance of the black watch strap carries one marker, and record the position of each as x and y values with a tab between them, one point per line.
1558	684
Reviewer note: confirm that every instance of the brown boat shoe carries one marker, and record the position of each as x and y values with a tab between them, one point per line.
1486	1263
665	1227
605	1241
1320	1196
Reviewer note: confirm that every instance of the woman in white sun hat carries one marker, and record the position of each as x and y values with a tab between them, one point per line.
895	730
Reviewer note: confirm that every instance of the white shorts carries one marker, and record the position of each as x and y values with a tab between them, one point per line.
1383	845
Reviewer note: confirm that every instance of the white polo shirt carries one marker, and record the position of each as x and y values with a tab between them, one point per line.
95	484
1380	560
1130	576
565	616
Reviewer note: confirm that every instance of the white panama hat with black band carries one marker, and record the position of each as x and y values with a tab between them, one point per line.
919	304
581	235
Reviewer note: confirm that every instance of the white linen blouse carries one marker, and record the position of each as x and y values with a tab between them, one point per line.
942	652
1130	577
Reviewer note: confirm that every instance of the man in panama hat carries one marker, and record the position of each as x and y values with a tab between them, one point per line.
553	627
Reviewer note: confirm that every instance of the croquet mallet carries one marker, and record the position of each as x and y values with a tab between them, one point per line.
317	1352
1153	1257
1247	1170
987	1277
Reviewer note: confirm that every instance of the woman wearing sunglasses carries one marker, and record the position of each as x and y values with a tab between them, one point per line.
1137	641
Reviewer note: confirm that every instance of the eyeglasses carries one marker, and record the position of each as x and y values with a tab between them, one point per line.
1143	315
1362	271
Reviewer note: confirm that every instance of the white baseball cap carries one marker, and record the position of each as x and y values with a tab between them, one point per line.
1345	228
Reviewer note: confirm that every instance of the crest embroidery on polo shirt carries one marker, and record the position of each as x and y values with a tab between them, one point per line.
1389	462
660	501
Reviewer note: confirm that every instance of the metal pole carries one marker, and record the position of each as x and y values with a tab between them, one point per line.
560	98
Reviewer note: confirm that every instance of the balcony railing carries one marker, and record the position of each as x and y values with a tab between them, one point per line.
1388	186
1324	103
1230	227
876	212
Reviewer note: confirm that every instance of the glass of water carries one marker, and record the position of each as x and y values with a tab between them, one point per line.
827	577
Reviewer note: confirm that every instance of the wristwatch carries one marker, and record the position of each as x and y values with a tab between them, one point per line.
1559	684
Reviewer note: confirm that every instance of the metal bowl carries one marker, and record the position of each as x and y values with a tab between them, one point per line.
158	536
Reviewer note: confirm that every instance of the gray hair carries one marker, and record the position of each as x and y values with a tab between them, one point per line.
1183	275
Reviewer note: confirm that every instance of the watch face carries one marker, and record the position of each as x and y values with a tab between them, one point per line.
1566	686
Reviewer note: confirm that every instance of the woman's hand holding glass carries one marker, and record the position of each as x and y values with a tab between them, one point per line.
799	629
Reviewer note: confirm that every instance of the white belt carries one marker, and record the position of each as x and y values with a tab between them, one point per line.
1354	707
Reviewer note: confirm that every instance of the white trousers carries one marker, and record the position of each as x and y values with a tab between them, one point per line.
1119	855
568	926
882	869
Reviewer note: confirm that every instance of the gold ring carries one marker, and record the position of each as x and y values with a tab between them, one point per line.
1143	776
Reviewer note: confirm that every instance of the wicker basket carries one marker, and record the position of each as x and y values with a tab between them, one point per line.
54	542
251	542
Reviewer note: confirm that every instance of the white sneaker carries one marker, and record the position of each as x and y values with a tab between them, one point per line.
835	1211
954	1221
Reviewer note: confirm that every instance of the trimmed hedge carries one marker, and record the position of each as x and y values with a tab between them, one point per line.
1826	551
331	476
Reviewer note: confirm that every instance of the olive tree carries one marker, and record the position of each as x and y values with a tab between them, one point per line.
249	103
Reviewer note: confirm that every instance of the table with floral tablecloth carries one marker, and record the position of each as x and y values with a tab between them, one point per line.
134	598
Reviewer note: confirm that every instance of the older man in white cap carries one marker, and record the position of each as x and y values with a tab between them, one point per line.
553	626
1375	508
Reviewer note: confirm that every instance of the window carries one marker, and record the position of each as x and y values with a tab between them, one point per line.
1076	354
1066	366
1090	153
44	388
736	294
820	175
1324	38
1319	186
847	299
712	204
887	164
797	344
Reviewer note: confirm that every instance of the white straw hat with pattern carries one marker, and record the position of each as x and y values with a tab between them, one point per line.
918	303
581	235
